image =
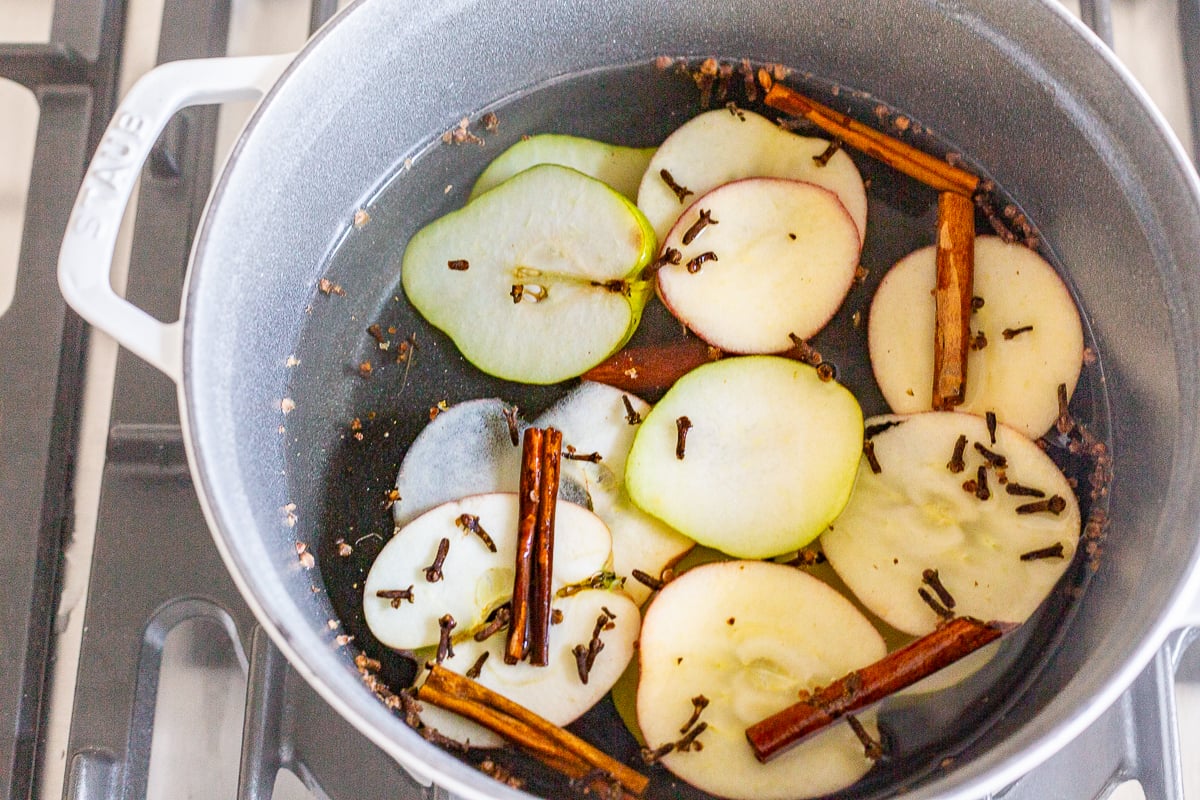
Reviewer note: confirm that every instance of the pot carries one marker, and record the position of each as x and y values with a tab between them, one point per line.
1017	85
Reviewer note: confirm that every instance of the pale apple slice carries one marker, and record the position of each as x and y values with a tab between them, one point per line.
595	421
749	637
722	146
465	450
761	260
554	692
1034	339
475	580
537	280
915	515
769	452
619	167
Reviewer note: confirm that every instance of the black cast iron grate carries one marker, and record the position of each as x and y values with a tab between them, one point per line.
149	523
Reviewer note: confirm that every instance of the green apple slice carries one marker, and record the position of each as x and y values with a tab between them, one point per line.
554	692
749	636
475	580
768	460
595	420
915	514
762	259
465	450
722	146
619	167
1017	376
537	280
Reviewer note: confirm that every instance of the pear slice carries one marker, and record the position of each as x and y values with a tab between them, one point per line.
722	146
749	636
769	455
554	692
594	420
537	280
475	580
762	259
914	515
1015	375
466	449
619	167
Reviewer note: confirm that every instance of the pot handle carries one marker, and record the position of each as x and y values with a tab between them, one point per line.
86	259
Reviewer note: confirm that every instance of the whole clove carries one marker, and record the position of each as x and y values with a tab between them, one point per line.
499	621
631	416
470	522
822	158
981	483
647	580
872	460
688	741
931	579
1023	491
990	417
993	458
956	463
445	648
937	607
682	426
1053	551
476	668
871	748
680	191
433	573
1011	333
669	256
1055	504
694	265
699	703
698	226
514	428
397	596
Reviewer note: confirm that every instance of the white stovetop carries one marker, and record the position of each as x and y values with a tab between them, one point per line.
1145	40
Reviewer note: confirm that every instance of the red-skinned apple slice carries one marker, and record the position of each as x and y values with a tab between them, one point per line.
1034	339
474	580
555	691
762	259
722	146
753	456
749	636
915	515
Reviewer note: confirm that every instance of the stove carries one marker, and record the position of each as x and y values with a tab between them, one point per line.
131	667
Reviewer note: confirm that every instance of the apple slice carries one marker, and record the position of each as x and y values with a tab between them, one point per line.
749	636
475	580
465	450
554	692
915	515
594	420
722	146
752	456
1034	339
536	280
619	167
761	259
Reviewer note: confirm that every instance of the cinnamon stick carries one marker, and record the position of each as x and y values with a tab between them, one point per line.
893	152
543	546
952	298
653	367
544	740
945	645
517	645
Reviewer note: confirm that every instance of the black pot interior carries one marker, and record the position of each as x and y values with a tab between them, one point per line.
1115	214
